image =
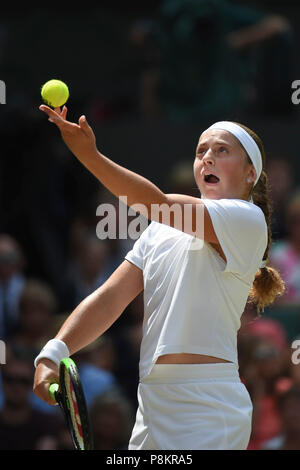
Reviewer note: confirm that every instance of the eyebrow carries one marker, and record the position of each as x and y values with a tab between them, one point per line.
218	142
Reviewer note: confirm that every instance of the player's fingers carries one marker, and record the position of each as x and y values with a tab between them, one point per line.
48	110
58	111
42	391
51	401
64	112
46	373
85	126
52	114
58	119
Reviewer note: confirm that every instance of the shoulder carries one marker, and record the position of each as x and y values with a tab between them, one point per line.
233	204
235	210
242	233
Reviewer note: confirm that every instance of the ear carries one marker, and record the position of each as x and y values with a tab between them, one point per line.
251	175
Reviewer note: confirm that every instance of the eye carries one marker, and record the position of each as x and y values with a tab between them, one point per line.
200	152
223	150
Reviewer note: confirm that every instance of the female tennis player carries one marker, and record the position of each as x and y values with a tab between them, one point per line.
190	394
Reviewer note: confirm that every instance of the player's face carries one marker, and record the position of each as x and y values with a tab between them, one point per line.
221	167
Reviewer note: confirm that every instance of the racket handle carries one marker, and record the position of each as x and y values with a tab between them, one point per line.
52	390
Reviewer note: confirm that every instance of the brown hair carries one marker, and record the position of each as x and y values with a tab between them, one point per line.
267	283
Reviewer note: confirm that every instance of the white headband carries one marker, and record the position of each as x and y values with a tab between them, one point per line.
246	140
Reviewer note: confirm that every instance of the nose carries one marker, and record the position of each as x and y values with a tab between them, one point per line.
209	157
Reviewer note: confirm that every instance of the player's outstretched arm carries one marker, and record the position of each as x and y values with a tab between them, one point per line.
81	141
93	316
120	181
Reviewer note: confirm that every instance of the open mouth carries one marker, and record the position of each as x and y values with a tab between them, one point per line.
211	179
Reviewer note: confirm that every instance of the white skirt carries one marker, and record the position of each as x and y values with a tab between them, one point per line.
192	407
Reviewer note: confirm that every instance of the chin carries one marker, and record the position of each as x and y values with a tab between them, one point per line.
212	194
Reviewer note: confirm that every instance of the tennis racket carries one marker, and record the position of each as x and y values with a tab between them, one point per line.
70	397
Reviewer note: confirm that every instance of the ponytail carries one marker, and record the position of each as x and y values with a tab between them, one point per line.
268	283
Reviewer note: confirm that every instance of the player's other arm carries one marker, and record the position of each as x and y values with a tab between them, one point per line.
93	316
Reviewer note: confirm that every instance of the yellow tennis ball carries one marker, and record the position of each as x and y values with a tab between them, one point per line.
55	93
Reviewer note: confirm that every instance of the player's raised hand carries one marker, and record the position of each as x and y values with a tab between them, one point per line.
80	137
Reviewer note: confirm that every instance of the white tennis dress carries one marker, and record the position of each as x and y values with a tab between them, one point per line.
193	301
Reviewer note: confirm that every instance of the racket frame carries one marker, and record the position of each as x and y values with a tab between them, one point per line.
59	393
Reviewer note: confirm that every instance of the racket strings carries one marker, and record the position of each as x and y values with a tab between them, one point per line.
74	411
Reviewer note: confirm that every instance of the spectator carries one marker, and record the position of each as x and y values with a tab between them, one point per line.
209	53
96	364
63	440
128	337
11	283
37	306
119	239
112	421
269	330
289	437
89	267
21	426
101	353
262	375
280	177
181	179
285	254
36	322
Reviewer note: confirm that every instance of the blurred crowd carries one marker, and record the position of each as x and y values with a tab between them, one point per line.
51	257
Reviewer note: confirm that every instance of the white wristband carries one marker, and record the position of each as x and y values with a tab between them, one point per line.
55	350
